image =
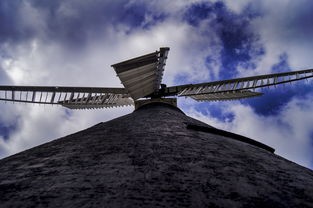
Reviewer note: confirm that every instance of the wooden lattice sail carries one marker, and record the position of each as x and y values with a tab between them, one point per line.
142	77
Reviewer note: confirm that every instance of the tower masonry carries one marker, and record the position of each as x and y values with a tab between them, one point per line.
154	157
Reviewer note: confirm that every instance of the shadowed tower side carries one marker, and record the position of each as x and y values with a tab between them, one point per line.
154	157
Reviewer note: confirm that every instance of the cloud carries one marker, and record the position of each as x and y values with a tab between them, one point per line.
284	28
39	124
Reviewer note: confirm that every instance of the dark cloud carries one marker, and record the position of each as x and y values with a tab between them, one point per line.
216	110
297	21
9	121
72	22
12	29
139	15
6	130
4	78
240	44
282	65
275	99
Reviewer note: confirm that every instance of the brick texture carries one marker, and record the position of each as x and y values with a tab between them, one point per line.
150	159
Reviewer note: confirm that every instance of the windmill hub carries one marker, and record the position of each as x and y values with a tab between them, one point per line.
169	101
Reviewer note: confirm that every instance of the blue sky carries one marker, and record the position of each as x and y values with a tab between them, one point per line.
73	43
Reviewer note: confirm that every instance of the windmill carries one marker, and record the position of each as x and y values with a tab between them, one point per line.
155	156
142	77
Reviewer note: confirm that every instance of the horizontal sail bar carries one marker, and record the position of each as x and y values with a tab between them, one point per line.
232	95
240	84
66	95
98	101
63	89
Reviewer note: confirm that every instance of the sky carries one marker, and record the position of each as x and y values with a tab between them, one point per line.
74	43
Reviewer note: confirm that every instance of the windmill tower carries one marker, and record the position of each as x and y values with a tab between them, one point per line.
154	157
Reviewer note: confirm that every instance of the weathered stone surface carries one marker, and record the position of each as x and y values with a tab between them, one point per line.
150	159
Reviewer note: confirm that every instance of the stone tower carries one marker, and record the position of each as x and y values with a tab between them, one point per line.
154	157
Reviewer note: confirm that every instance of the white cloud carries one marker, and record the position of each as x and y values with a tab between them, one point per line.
282	28
237	6
39	124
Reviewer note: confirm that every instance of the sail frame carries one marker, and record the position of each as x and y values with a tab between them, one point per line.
239	84
71	97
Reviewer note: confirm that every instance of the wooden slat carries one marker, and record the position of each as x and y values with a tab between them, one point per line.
137	74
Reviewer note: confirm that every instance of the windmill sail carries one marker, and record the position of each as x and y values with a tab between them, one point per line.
71	97
231	95
237	88
142	76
